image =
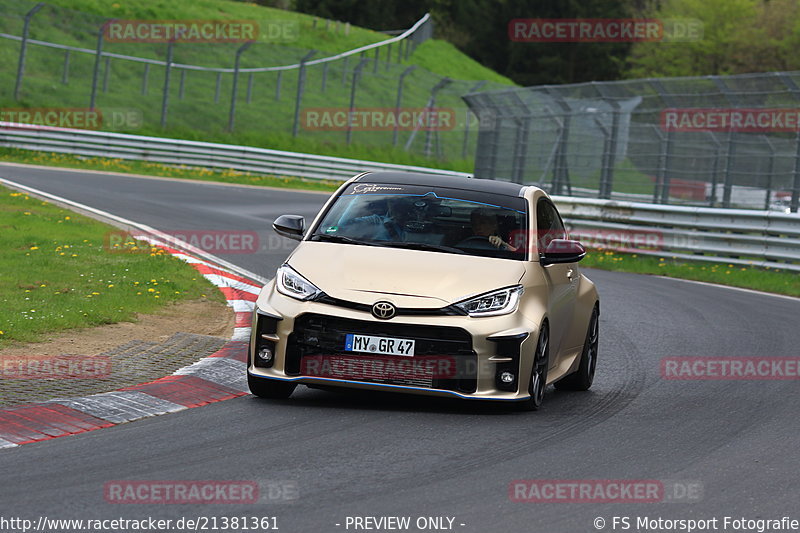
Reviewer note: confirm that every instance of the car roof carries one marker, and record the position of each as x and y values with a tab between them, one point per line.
440	180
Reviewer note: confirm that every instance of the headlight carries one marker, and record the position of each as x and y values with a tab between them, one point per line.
499	302
292	284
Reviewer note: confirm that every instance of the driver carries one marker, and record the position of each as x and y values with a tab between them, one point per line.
484	224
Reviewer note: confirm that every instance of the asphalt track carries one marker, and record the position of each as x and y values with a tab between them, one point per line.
356	454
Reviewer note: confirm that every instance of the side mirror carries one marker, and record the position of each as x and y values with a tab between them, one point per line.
291	226
562	251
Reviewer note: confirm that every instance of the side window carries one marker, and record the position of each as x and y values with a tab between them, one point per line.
548	224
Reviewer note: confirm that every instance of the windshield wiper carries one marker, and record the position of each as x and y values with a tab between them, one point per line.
338	238
422	246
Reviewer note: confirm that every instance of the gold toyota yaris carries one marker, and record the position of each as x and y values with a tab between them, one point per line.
431	285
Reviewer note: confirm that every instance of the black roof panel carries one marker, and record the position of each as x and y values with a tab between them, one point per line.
439	180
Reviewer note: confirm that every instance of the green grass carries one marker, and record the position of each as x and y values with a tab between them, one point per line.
266	120
57	273
750	277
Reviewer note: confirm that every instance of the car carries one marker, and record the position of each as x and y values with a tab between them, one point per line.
432	285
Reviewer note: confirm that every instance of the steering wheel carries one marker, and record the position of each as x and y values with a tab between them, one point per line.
477	242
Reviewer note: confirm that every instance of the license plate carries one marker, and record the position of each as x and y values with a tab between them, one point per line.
378	345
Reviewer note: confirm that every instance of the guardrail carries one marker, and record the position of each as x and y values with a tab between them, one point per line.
741	237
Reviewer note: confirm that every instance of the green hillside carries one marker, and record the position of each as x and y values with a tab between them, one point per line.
264	119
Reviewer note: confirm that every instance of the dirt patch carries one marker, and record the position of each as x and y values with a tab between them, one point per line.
201	317
114	356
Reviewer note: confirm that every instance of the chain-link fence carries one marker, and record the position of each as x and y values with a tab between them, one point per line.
725	141
256	89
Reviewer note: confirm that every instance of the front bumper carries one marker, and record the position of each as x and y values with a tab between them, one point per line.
456	356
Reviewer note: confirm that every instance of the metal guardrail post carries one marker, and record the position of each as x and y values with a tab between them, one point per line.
165	92
301	80
235	85
278	85
398	99
96	71
377	59
23	48
324	76
356	73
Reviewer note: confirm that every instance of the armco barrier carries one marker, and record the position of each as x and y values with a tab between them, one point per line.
742	237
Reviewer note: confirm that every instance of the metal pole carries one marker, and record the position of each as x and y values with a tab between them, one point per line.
770	170
145	77
278	85
377	59
182	84
324	75
217	87
794	205
165	93
96	71
65	72
301	80
472	89
250	87
106	72
24	48
356	73
235	86
405	73
714	169
388	56
444	82
344	70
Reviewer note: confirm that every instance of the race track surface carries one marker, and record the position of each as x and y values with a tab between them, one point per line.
357	454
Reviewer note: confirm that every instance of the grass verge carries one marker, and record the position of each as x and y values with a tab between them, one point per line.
751	277
56	273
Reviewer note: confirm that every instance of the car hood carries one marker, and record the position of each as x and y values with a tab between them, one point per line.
407	278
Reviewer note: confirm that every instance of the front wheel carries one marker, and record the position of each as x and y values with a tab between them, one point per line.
583	378
270	388
538	381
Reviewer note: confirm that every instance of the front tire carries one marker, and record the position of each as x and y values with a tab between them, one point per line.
270	388
538	381
583	378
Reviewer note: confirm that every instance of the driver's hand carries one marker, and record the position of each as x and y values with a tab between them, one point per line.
496	241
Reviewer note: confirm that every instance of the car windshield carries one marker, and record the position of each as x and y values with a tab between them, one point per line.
423	218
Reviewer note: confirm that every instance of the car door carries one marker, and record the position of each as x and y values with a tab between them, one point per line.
561	278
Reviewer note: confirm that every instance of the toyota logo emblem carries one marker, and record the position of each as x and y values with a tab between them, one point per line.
384	310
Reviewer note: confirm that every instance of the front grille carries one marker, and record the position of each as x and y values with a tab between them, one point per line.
319	340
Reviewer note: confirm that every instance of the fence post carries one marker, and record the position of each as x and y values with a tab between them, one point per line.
770	170
324	75
472	89
278	85
377	59
301	80
356	73
794	204
344	70
96	71
165	93
388	56
23	48
106	72
145	77
182	84
431	101
217	87
235	86
65	71
405	73
250	87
